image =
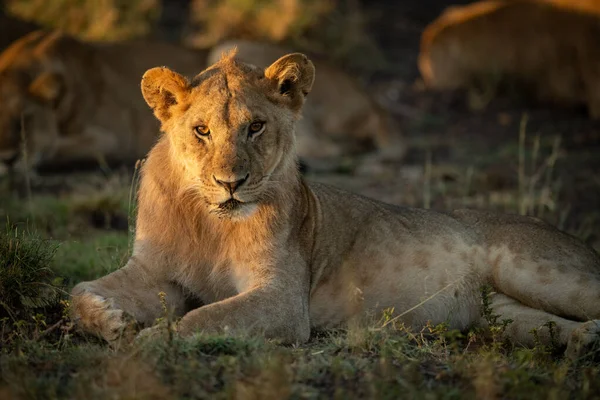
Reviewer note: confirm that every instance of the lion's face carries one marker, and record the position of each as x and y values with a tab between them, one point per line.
232	128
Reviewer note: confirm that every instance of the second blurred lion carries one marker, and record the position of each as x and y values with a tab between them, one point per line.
65	101
548	47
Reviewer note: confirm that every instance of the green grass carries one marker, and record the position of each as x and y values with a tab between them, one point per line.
91	257
26	281
43	356
71	235
362	362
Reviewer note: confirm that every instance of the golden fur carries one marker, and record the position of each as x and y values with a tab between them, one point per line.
549	46
225	221
79	101
339	120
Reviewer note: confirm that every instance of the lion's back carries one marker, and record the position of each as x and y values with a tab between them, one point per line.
514	39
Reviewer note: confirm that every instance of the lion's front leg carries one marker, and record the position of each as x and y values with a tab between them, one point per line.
275	303
131	295
276	313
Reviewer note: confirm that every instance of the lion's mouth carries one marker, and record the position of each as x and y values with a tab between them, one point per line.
230	205
235	209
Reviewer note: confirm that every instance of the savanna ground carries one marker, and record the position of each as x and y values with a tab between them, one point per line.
474	149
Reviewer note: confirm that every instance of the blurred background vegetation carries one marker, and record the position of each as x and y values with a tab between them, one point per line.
94	20
333	27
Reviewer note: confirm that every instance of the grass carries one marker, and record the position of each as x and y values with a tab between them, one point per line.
86	259
26	281
43	356
359	362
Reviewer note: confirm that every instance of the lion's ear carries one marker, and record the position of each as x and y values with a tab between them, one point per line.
48	87
294	75
163	88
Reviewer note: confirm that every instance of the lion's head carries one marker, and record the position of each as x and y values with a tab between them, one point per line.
231	129
36	94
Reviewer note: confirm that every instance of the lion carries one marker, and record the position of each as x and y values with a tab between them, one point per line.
341	119
231	238
65	101
548	47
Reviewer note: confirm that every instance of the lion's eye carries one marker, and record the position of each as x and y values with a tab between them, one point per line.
256	128
202	131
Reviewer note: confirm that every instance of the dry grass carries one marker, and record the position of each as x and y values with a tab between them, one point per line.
254	19
93	20
335	28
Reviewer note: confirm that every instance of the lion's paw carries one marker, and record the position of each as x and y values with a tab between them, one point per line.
583	339
98	315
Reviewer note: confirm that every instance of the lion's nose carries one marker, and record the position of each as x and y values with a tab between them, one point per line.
232	186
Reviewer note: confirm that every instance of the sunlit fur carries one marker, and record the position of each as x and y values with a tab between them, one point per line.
226	98
291	256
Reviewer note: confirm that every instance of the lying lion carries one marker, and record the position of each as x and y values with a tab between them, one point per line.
225	220
341	118
70	101
548	46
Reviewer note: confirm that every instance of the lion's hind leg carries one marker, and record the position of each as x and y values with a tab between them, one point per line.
550	330
565	284
535	263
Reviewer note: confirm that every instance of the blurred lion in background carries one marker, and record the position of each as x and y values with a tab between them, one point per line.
65	101
549	46
340	119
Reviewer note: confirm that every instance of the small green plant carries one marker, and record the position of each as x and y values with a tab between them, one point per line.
542	350
387	316
496	326
167	318
26	281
